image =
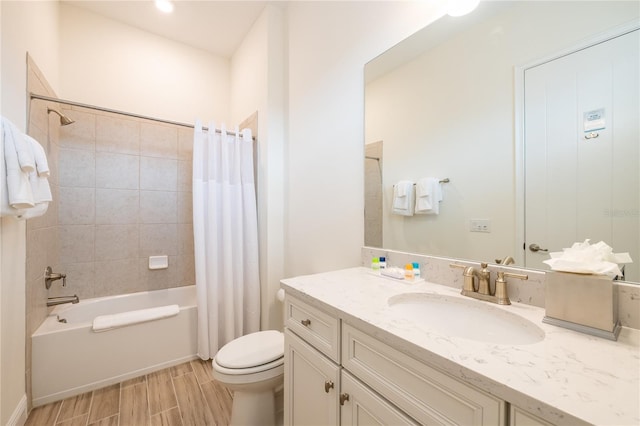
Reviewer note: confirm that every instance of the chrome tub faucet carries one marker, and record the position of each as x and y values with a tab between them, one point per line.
53	301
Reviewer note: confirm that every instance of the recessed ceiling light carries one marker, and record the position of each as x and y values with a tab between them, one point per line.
165	6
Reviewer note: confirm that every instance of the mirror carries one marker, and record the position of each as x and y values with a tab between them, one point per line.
443	104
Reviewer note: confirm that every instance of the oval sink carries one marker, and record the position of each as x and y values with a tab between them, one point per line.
466	318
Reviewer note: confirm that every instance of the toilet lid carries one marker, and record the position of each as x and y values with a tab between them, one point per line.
252	350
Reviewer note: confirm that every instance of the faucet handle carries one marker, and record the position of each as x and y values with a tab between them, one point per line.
502	298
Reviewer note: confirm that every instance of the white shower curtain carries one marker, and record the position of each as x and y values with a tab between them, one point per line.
225	228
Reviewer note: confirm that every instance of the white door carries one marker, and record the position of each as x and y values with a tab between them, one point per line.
581	150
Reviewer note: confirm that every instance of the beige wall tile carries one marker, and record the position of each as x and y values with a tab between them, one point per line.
82	133
186	270
115	206
185	207
158	239
158	207
76	243
185	176
115	134
115	242
185	143
158	279
77	206
117	277
185	239
158	174
119	171
80	280
158	140
77	168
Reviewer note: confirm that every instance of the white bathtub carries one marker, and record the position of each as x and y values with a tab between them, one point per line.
70	358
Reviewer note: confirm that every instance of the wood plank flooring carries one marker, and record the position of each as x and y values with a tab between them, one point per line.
184	395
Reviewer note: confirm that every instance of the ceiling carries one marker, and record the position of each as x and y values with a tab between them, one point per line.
215	26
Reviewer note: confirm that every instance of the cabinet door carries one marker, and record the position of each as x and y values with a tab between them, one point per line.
361	406
311	385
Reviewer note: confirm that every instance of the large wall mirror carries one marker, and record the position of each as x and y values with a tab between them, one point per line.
451	101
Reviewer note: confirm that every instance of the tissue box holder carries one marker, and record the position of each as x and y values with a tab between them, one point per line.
584	303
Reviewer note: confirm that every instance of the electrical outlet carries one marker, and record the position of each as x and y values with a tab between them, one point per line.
480	225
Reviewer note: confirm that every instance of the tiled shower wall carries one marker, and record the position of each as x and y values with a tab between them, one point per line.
373	195
124	195
42	232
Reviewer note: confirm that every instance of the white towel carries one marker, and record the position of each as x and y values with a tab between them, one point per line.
39	156
428	196
109	322
16	185
403	198
24	153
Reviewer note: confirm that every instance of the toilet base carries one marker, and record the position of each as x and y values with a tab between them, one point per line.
253	408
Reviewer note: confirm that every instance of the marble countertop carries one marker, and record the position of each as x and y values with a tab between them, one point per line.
566	378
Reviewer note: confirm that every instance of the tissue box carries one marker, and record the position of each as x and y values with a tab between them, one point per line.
582	302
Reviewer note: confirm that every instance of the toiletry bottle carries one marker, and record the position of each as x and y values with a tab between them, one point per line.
375	264
416	270
383	262
408	271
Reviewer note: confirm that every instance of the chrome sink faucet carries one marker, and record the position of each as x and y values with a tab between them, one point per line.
482	291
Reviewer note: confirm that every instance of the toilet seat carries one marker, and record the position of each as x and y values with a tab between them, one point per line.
253	353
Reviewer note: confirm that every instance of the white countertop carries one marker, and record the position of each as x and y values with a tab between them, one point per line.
566	378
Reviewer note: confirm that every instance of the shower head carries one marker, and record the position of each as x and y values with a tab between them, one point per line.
64	120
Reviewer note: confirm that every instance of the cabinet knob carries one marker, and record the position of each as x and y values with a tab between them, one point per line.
306	322
343	397
328	385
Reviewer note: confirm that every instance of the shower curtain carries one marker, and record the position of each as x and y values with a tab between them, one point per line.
225	228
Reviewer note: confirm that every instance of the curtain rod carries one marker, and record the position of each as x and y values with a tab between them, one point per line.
129	114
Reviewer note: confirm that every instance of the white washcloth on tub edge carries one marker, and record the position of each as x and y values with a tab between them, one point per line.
109	322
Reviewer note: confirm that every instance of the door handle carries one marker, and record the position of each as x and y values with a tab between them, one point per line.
535	248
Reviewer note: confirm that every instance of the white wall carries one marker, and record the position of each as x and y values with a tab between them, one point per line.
257	84
26	27
108	64
456	120
328	46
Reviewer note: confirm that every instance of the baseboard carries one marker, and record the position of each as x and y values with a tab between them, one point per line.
19	416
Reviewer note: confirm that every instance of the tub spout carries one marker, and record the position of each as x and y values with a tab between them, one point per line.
52	301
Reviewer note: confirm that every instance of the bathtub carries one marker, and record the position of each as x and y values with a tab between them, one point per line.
70	358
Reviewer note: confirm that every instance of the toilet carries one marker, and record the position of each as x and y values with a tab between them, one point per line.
252	366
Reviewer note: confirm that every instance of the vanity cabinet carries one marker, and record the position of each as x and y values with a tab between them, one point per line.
336	374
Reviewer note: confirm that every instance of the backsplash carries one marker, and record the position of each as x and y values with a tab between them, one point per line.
531	292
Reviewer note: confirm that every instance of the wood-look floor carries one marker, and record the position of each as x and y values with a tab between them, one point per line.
184	395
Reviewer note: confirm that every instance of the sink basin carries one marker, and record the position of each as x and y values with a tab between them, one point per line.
466	318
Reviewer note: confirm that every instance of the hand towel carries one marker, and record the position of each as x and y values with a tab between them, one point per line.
5	208
428	196
39	156
403	198
109	322
24	153
18	188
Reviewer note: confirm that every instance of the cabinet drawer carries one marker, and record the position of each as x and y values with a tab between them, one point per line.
520	417
426	394
319	329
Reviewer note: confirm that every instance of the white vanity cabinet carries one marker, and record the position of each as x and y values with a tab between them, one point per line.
520	417
336	374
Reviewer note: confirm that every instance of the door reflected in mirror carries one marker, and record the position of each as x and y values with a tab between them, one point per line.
449	102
